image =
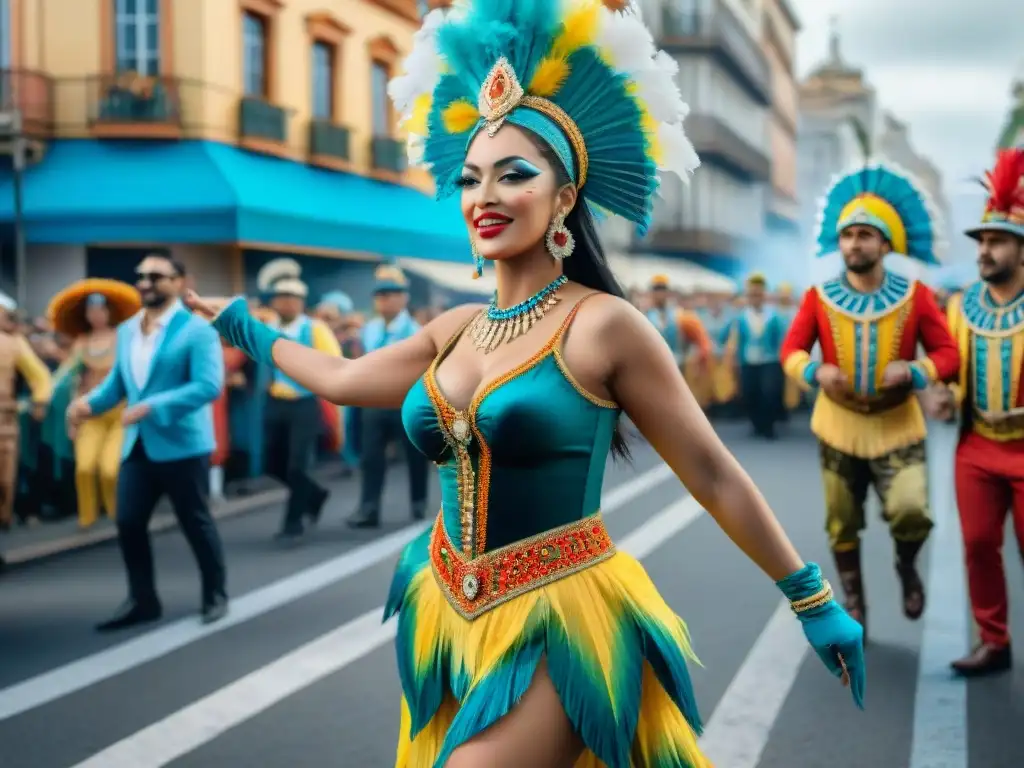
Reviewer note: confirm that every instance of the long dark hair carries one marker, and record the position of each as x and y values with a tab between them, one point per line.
588	264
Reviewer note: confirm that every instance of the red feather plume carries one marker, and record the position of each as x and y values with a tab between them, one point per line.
1005	185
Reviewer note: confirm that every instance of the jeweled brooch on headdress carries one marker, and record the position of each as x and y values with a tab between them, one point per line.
500	94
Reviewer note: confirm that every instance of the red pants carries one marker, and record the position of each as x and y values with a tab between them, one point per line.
989	483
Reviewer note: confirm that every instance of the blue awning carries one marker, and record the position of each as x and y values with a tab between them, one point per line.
87	191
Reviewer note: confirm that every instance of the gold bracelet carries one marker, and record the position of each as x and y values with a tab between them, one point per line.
816	600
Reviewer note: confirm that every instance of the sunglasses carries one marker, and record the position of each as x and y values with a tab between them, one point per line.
152	277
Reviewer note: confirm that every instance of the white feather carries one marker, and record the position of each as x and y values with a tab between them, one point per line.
680	157
422	68
660	95
278	269
415	147
625	40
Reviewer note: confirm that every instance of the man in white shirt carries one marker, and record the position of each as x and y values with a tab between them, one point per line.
169	368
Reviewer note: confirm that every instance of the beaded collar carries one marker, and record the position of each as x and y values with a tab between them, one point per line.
987	318
845	299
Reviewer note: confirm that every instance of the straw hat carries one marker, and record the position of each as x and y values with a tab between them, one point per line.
67	309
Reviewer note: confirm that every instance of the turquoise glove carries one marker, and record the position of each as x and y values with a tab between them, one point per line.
245	332
829	629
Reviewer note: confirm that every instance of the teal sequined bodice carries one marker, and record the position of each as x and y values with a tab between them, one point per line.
528	455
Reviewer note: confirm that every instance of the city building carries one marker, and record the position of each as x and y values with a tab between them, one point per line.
226	133
778	41
718	218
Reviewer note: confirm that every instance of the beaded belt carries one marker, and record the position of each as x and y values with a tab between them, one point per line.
873	404
1001	424
475	586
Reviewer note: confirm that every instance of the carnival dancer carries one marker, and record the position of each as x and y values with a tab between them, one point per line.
754	338
380	427
683	332
988	323
869	322
716	317
16	358
168	369
524	637
294	420
89	312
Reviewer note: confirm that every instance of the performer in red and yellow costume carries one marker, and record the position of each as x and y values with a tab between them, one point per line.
988	323
89	312
869	322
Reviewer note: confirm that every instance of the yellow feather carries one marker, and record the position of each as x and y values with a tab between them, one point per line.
417	120
459	116
650	127
548	78
578	30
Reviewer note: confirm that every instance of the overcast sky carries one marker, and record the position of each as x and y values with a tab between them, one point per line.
944	66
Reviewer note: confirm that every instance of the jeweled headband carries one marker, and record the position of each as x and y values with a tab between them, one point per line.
580	74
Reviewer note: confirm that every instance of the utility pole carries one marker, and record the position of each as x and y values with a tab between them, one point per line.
20	261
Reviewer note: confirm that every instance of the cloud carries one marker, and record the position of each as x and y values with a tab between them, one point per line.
945	68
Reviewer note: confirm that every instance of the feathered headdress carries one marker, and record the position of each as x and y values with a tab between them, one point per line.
888	200
1004	210
584	75
281	277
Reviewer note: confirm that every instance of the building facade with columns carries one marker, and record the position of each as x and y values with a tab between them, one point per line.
226	133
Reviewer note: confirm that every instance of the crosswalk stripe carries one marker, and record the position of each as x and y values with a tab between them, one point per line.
92	669
199	723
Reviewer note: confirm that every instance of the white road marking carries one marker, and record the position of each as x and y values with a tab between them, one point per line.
163	640
738	730
202	721
940	702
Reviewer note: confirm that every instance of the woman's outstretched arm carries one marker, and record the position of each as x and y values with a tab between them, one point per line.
647	384
379	379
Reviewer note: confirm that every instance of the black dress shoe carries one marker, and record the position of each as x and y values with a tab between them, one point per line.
290	537
364	519
130	614
215	609
984	660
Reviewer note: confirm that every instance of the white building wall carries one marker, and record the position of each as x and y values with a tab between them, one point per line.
210	267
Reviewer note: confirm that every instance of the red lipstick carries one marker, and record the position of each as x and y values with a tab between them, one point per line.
490	225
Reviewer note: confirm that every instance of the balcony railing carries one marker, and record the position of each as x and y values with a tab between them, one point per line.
389	154
329	144
718	32
716	141
127	105
262	125
32	95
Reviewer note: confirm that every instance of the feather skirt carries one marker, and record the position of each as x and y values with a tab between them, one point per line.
616	653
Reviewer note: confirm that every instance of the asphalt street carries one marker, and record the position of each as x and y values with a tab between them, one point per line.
302	672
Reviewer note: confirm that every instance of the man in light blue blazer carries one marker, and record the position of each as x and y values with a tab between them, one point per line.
169	369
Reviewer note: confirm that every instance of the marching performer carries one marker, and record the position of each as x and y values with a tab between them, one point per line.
684	334
988	323
524	637
16	358
294	418
89	312
716	317
869	322
755	336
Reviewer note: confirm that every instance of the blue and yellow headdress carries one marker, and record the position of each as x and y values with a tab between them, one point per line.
583	75
887	200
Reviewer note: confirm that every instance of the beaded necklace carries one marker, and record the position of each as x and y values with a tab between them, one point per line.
494	326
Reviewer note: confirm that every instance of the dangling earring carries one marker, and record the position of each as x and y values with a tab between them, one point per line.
478	260
560	241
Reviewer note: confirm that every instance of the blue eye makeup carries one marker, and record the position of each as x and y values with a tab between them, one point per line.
524	169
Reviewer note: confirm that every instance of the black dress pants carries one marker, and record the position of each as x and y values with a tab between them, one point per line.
293	429
762	395
379	428
141	484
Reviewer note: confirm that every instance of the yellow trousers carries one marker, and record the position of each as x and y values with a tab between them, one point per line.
97	462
